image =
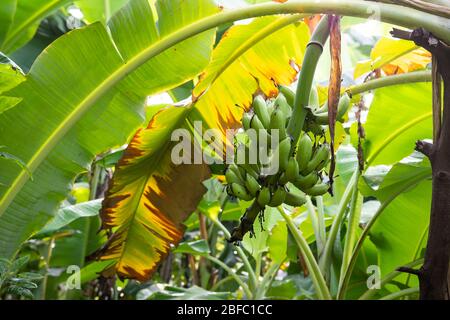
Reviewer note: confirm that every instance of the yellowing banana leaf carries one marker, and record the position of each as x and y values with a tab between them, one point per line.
22	18
74	106
150	198
255	56
394	56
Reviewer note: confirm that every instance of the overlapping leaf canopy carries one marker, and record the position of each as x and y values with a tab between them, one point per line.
57	106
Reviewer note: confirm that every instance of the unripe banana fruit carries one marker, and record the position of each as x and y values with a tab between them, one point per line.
256	124
319	159
232	177
318	190
288	94
260	108
240	192
306	182
246	118
278	122
277	197
234	168
252	185
264	197
304	151
321	115
282	152
283	105
295	200
292	170
249	180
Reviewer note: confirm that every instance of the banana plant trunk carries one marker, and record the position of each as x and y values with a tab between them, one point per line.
434	275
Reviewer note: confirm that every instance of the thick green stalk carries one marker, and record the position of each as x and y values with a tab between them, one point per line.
321	222
350	238
401	16
230	271
325	260
371	292
401	294
248	267
306	77
221	282
311	263
365	233
267	279
320	240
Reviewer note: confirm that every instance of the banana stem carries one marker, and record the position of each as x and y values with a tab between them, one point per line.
326	258
231	272
306	77
316	276
411	77
241	254
401	294
371	292
316	226
350	238
322	226
269	275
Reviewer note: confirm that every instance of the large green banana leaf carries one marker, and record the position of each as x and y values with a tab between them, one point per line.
399	116
150	197
19	20
70	112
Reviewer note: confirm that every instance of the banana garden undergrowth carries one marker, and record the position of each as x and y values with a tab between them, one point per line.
167	149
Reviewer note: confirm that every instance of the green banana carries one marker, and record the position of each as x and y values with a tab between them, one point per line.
261	132
318	190
260	108
283	178
306	182
319	159
248	170
295	200
235	169
278	121
304	151
343	106
242	172
252	185
292	170
283	151
264	197
232	177
240	192
288	94
281	102
278	197
246	118
321	116
256	123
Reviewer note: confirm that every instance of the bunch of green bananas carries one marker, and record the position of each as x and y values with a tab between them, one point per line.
299	165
